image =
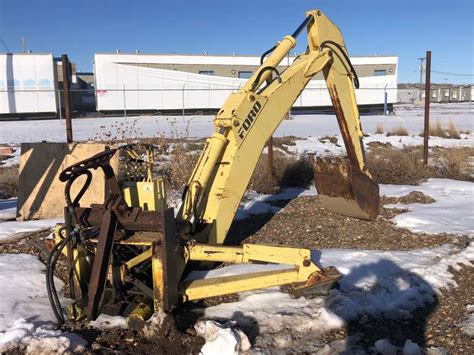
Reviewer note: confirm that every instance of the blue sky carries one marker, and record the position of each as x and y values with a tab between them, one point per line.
406	28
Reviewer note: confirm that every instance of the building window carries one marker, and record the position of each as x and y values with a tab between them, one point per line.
380	72
245	74
206	72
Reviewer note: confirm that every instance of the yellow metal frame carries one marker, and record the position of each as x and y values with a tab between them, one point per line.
249	117
300	268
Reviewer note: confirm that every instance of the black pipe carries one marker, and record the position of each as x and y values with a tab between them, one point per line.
346	57
260	73
301	27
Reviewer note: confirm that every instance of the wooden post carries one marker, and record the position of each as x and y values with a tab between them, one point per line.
427	108
67	97
270	158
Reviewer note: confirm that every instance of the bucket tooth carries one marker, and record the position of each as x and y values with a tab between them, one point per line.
318	283
345	189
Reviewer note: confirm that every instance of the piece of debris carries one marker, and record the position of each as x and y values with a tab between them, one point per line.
221	339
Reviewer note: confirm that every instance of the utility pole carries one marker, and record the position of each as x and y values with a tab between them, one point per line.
23	44
421	77
427	107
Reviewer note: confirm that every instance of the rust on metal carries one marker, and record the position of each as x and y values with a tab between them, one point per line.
345	189
318	283
101	264
342	186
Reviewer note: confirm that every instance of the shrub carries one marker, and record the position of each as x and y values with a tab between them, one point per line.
8	182
398	131
288	170
397	166
454	163
437	130
453	131
379	128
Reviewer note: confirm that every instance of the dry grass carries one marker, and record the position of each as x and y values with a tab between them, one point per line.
454	163
453	131
398	131
8	182
437	130
181	166
379	128
397	166
405	166
288	170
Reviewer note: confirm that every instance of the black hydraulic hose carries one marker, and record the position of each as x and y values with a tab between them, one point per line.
260	73
346	57
50	286
262	58
81	193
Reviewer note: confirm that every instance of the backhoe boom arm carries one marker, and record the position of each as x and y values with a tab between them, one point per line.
249	117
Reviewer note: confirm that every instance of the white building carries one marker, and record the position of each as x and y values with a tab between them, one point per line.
145	82
27	84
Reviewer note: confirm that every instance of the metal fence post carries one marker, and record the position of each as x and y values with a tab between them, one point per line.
60	108
182	99
427	107
67	98
124	102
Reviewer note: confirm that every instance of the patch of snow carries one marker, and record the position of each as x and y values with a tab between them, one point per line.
14	160
26	318
24	294
392	284
7	209
384	347
468	325
409	116
12	230
105	321
314	145
411	348
235	269
450	213
255	203
32	340
221	339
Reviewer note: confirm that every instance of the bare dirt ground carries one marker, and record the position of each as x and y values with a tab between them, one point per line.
304	222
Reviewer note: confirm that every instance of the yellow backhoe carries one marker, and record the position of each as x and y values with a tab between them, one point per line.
131	255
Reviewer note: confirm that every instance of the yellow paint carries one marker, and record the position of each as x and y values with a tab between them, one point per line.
149	195
249	117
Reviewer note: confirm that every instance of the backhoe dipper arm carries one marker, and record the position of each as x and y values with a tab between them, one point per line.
248	118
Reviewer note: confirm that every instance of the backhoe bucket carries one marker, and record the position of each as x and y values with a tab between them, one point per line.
346	190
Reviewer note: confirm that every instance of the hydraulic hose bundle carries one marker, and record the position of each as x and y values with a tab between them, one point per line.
72	237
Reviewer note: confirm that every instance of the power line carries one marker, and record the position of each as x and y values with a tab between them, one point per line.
4	45
453	74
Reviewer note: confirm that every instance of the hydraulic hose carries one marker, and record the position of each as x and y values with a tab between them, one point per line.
346	57
50	286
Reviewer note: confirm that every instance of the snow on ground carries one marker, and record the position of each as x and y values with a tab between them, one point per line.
13	160
315	145
221	339
7	209
12	230
26	318
452	212
387	283
105	321
409	116
255	203
468	325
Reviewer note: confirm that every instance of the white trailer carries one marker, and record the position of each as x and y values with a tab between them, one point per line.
136	82
27	84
